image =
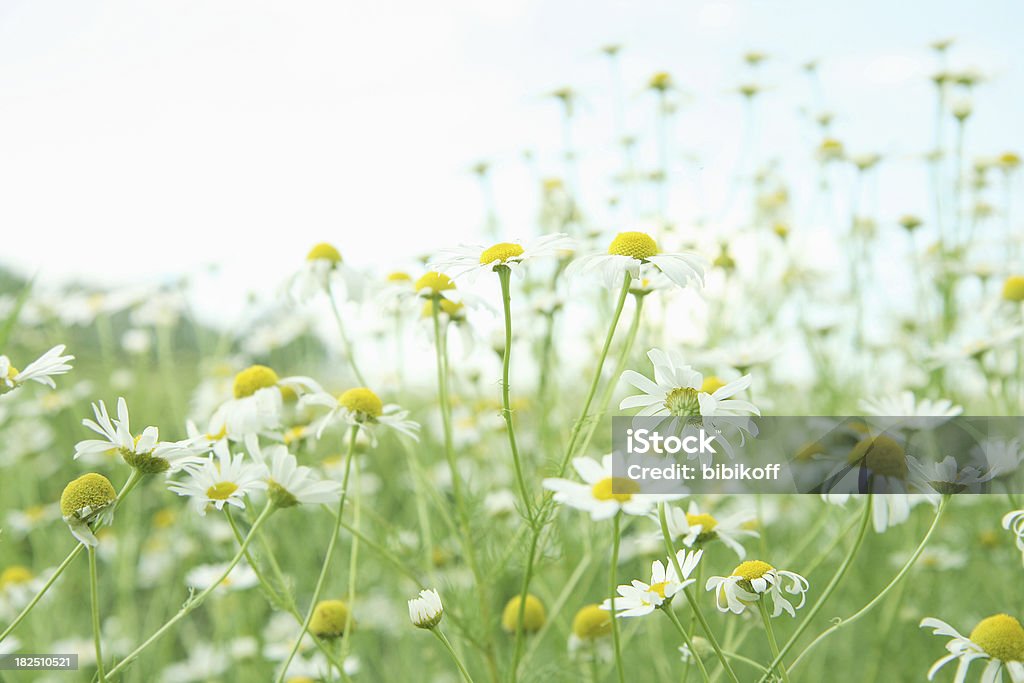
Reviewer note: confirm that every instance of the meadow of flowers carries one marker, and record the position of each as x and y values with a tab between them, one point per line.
399	471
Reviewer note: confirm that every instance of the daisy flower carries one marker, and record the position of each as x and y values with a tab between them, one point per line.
998	639
86	501
362	408
602	494
258	401
680	391
475	259
1014	521
947	477
629	251
639	599
426	610
323	267
291	484
905	404
694	528
886	511
144	452
751	581
226	480
41	370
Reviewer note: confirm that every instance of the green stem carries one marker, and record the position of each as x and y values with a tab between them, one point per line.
349	351
885	591
612	585
198	599
94	599
353	565
667	538
667	609
524	591
504	276
770	633
830	588
451	650
321	580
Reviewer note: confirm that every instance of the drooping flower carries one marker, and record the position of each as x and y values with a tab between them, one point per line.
361	407
41	370
694	528
86	501
629	252
638	599
474	259
753	580
998	639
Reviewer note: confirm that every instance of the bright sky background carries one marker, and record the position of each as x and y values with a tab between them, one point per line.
148	139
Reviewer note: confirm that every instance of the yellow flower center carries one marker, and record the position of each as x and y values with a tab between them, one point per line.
454	309
707	522
752	569
660	81
294	434
1013	288
659	588
683	402
592	622
93	491
1001	637
501	252
639	245
434	282
615	488
15	574
222	490
324	251
252	379
882	455
362	401
711	384
12	372
534	614
399	276
329	619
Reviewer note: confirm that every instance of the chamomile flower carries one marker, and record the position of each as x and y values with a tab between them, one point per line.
998	639
680	391
258	401
630	251
323	268
290	484
1014	522
474	259
694	528
602	494
361	407
638	599
85	502
144	452
41	370
753	580
947	477
888	510
220	481
426	610
905	404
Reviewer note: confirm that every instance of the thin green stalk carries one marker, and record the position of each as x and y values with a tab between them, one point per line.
353	564
94	600
198	599
524	591
504	276
766	619
878	598
830	588
349	351
321	580
612	585
667	609
451	650
667	538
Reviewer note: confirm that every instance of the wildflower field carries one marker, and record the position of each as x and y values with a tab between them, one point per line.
399	470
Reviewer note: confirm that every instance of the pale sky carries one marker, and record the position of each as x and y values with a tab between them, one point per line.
145	140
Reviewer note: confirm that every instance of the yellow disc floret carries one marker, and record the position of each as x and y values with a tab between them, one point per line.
1001	637
711	384
501	252
882	455
534	614
399	276
222	490
434	283
1013	288
87	494
707	522
252	379
752	569
683	402
325	252
362	402
615	488
329	619
639	245
454	309
592	622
